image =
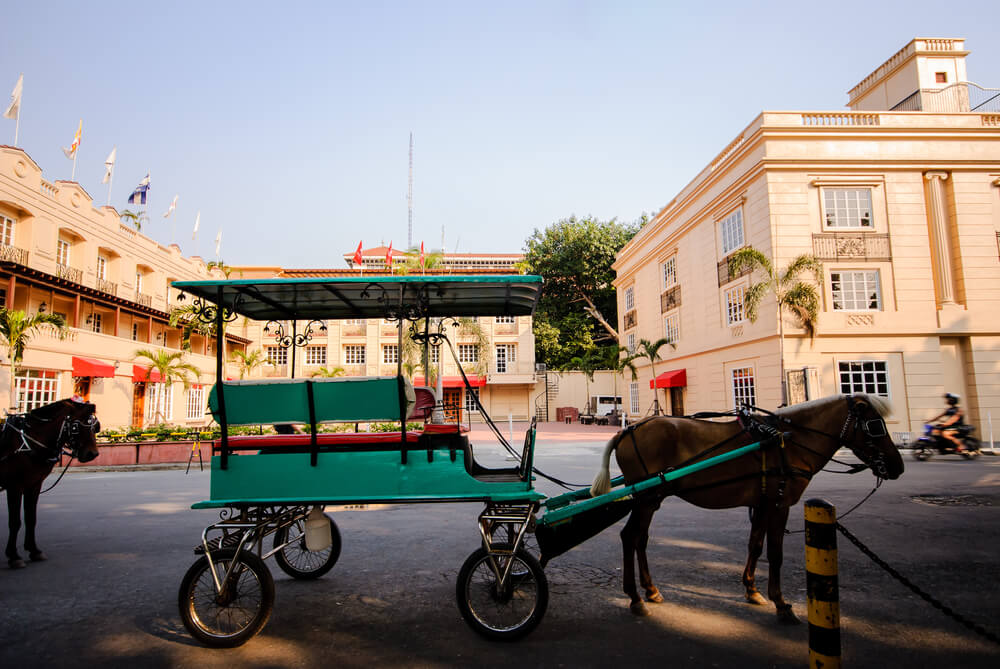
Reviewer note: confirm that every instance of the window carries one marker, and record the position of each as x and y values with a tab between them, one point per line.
36	388
471	395
941	77
196	402
468	353
672	327
138	282
276	355
864	376
102	268
159	402
630	342
847	207
743	387
630	298
435	353
390	353
633	398
504	319
315	355
354	354
6	231
734	298
506	356
731	232
135	332
62	252
856	291
353	321
95	322
669	274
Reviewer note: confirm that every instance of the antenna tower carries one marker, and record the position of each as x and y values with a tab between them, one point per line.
409	201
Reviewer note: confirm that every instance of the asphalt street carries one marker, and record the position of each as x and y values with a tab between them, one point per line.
119	543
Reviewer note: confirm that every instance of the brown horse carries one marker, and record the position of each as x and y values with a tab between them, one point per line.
30	446
767	481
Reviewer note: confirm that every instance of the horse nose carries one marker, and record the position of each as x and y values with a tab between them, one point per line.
87	457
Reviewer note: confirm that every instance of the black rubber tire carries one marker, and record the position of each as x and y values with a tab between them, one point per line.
512	615
922	453
246	612
972	446
299	562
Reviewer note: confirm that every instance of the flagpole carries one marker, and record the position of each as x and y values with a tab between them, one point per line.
73	175
111	180
17	123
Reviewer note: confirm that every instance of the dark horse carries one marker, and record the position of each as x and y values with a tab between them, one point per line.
768	481
30	446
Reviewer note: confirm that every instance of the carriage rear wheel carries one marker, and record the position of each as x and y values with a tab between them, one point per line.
237	614
298	561
502	613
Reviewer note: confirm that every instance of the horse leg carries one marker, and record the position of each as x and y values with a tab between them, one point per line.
14	560
35	554
629	536
754	548
645	579
777	519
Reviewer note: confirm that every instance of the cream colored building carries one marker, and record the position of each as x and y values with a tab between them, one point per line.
902	207
59	253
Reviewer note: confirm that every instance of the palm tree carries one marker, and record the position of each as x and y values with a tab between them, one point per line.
136	218
619	364
219	265
798	297
186	319
470	327
328	372
171	368
247	362
410	262
16	329
588	363
651	350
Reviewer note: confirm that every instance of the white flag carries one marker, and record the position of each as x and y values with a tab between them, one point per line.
170	209
109	165
14	110
218	242
197	221
70	151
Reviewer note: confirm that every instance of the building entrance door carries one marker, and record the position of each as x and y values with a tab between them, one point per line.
138	404
676	401
453	404
81	387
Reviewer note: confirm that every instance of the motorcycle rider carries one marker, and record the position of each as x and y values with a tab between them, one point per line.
951	418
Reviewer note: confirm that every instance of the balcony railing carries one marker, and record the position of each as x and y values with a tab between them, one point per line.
69	273
13	254
630	319
144	299
109	287
725	276
868	246
963	96
670	299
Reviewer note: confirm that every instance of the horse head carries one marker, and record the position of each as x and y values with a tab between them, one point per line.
866	434
69	425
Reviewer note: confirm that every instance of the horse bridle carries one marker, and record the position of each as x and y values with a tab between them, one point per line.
67	441
872	429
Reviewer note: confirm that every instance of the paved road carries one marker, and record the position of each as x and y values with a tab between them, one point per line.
120	542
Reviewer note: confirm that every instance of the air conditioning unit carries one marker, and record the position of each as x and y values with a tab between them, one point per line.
539	366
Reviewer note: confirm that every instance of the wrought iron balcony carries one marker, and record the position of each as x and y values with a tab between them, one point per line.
105	286
869	246
69	273
630	319
13	254
963	96
725	276
670	299
144	299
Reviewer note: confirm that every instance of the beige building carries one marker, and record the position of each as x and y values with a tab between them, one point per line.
899	196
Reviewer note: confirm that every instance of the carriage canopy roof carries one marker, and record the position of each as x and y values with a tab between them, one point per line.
377	297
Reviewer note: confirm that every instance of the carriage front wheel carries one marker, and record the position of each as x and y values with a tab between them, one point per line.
240	611
296	560
507	612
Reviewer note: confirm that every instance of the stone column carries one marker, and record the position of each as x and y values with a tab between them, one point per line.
937	221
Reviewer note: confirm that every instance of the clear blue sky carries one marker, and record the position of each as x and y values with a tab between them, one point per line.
287	124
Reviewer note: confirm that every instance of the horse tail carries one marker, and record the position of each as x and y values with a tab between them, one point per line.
602	483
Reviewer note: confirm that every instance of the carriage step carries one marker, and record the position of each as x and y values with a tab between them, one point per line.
228	541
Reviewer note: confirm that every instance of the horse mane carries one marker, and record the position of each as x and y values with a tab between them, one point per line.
881	404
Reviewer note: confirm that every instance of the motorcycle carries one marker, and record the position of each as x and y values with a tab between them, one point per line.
930	443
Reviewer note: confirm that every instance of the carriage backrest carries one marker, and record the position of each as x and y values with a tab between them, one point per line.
352	399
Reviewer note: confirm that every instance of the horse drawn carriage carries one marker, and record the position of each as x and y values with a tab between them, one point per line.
272	489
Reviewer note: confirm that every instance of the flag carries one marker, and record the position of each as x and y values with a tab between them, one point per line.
218	242
388	257
357	255
109	165
197	220
71	151
14	110
138	196
422	256
170	209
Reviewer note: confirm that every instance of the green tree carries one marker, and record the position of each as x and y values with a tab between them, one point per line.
799	297
247	362
651	351
136	218
588	363
578	301
328	372
619	360
185	318
410	262
171	368
16	329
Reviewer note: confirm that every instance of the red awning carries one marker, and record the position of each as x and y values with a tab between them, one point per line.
91	367
455	381
139	375
676	378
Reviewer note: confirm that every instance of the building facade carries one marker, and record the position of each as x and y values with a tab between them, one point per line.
903	210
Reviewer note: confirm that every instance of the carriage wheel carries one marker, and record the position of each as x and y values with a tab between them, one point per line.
240	613
507	613
298	561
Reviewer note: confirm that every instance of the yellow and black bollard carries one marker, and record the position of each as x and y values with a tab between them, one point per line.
821	585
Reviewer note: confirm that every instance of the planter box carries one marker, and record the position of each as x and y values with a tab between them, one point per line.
110	455
164	451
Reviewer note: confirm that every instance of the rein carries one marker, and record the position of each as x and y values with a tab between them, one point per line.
67	441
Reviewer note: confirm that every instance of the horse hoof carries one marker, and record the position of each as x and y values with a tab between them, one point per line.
16	564
654	596
38	557
756	598
786	617
638	609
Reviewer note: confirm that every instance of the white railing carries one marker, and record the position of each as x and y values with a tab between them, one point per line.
48	189
840	118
